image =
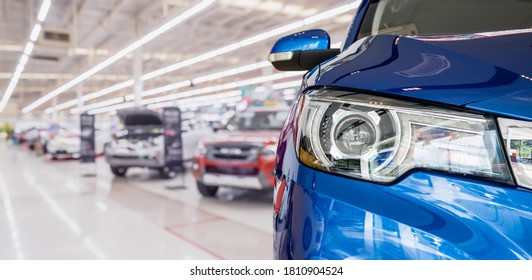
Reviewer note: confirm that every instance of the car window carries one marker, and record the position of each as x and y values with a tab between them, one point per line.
445	17
260	120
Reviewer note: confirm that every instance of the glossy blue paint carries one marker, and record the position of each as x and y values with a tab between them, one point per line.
315	39
425	215
451	72
516	105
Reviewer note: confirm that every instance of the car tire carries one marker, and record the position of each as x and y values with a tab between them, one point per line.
207	191
119	171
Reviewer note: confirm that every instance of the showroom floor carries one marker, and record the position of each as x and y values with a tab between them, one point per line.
60	210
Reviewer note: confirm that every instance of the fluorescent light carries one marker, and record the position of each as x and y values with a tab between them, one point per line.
29	48
162	89
183	102
291	84
332	13
112	108
272	33
108	90
97	105
49	110
62	106
23	59
191	61
35	32
19	70
133	46
44	10
231	72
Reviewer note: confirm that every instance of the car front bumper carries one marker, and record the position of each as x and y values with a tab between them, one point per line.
424	216
230	174
133	161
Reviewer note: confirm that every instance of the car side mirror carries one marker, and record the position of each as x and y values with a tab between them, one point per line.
302	51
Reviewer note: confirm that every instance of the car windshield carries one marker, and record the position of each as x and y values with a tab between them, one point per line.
445	17
258	120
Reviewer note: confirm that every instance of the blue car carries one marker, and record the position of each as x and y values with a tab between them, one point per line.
414	141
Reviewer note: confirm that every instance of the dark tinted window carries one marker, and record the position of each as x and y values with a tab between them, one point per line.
445	17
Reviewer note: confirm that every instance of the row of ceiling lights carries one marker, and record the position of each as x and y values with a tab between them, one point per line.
120	54
196	92
180	65
28	49
246	42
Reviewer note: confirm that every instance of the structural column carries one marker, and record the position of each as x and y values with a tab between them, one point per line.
137	74
79	95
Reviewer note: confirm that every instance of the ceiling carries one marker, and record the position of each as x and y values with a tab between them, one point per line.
99	28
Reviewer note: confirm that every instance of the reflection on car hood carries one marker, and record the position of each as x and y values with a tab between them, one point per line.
246	137
455	70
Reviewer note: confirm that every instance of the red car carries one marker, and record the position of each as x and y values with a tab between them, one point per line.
242	153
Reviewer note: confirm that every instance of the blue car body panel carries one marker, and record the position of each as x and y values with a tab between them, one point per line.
425	214
449	72
516	105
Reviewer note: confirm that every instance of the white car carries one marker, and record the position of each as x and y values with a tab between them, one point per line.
64	146
68	145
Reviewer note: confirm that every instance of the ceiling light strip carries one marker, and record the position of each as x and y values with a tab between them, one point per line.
28	49
105	103
133	46
183	102
252	40
112	108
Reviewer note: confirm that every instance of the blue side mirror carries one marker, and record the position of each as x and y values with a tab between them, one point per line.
302	51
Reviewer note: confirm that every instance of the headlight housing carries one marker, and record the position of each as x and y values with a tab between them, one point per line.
381	139
517	137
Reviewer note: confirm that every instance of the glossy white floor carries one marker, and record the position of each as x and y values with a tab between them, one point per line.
51	210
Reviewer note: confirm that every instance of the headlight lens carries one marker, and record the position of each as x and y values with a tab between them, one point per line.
380	139
517	136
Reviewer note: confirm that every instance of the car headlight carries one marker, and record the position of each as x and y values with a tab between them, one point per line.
517	136
200	150
381	139
269	150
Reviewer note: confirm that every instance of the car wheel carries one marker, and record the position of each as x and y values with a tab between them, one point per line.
207	191
168	173
119	171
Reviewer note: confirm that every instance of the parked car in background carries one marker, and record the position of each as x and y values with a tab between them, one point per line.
64	144
139	144
407	143
241	154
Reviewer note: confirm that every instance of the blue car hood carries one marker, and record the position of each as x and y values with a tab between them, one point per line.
456	70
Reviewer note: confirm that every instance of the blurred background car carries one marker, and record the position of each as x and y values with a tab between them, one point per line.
242	152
